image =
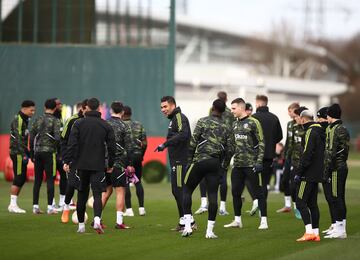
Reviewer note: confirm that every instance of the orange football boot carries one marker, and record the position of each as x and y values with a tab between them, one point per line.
306	237
317	238
65	216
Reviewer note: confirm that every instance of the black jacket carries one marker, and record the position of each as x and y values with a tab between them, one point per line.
336	147
86	146
311	166
65	134
178	137
272	130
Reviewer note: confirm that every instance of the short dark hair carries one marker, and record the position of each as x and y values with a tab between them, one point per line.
299	110
117	107
84	103
127	111
78	105
262	98
50	104
222	95
219	105
169	99
27	103
238	101
93	104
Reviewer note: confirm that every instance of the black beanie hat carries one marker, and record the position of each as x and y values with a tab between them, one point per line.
334	111
248	106
322	113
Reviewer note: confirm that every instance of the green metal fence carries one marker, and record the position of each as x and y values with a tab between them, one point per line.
138	75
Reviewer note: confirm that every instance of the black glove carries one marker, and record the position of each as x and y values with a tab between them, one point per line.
160	148
298	179
258	168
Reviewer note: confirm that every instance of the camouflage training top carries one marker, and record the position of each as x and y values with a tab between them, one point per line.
138	135
289	139
45	134
297	136
211	139
337	146
124	144
249	142
227	117
19	134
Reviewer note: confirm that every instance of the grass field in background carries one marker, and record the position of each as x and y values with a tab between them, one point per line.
31	236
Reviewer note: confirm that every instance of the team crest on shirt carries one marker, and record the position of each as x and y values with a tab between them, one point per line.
170	124
246	125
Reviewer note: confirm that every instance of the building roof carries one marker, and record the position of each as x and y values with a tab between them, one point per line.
241	76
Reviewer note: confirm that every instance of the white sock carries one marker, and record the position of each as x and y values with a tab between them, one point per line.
187	220
54	202
344	224
308	229
316	231
66	207
81	225
129	210
264	220
294	205
61	200
287	201
339	227
50	207
238	219
13	200
255	203
277	184
222	205
203	202
210	226
119	217
35	206
192	219
182	221
97	221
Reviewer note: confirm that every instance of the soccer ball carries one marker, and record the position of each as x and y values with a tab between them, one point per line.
75	220
90	202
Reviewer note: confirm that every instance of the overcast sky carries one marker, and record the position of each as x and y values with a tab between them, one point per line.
341	18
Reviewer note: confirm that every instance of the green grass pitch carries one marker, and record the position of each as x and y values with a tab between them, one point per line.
31	236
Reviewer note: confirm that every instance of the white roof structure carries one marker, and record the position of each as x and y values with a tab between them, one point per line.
241	76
